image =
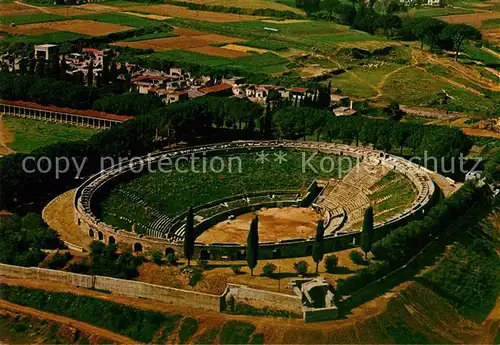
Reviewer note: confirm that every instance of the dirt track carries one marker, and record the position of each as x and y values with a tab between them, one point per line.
67	321
274	224
5	138
58	214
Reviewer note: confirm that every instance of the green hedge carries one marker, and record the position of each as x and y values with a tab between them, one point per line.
137	324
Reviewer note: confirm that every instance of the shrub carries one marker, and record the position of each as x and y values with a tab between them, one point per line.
357	257
236	269
331	263
171	259
301	267
193	273
58	261
189	326
269	269
203	264
157	256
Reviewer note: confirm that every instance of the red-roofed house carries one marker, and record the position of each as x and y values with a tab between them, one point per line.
217	90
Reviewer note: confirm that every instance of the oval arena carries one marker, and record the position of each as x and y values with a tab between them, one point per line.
398	190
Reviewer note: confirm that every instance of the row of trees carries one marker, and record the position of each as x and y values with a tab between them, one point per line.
24	238
435	141
362	16
439	34
201	117
52	91
402	243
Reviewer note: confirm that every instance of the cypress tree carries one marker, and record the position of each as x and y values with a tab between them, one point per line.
253	244
90	73
319	247
189	235
368	232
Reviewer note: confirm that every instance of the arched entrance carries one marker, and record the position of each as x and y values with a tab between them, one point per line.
169	251
100	236
204	255
91	233
111	240
277	254
137	247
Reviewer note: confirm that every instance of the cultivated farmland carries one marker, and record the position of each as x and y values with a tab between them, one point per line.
14	9
197	41
183	12
85	27
249	4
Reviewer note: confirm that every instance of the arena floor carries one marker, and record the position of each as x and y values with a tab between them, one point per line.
274	224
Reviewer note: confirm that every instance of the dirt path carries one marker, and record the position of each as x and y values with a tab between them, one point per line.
5	138
491	326
67	321
491	51
280	326
58	214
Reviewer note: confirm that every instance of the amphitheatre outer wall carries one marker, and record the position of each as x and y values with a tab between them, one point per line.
87	197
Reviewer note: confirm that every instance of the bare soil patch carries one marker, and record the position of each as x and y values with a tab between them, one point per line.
58	214
183	12
98	8
149	16
245	49
69	11
13	9
25	31
473	19
87	328
274	224
492	35
85	27
6	137
193	40
481	133
216	51
249	4
286	21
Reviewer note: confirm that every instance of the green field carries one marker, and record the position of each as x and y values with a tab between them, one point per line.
32	134
437	12
476	53
123	19
411	86
150	36
173	192
265	63
30	18
491	23
51	37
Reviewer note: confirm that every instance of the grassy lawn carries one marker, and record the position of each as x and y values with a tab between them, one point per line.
31	18
51	37
397	193
183	56
32	134
350	36
173	192
265	63
477	53
414	87
151	36
123	19
352	86
491	23
437	12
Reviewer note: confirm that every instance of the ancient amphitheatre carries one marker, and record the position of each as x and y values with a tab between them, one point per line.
144	226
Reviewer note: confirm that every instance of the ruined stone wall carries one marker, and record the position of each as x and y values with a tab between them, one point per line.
119	286
272	300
